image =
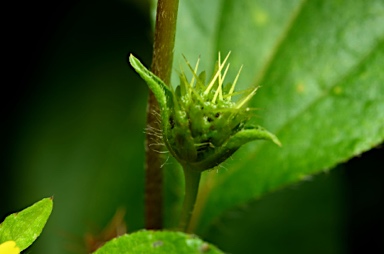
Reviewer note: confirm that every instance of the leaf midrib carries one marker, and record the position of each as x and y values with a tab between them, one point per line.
315	101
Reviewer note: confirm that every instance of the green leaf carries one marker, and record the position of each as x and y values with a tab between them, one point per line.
25	226
157	242
280	222
162	93
319	64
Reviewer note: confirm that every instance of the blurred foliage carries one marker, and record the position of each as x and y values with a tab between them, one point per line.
306	217
80	136
76	114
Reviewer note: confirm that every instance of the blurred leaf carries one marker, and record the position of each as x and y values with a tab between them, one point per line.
319	65
309	217
24	227
81	134
157	242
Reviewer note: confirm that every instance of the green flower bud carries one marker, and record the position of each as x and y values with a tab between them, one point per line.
201	124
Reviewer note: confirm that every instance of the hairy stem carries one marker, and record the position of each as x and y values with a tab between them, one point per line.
192	180
164	41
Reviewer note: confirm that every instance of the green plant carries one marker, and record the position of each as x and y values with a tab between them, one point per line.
318	64
183	111
201	125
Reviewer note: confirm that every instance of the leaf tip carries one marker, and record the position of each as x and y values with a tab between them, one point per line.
131	58
277	141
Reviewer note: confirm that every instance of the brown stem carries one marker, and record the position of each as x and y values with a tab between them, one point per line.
161	66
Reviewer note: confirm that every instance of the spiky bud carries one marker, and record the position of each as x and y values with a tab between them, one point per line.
201	124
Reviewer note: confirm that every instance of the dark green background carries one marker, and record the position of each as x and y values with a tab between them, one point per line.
73	115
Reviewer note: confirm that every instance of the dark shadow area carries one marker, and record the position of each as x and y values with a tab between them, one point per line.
365	202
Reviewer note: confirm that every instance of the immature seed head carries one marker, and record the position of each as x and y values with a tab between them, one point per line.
201	124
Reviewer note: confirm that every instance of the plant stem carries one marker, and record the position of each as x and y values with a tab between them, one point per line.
162	58
164	42
192	180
